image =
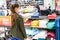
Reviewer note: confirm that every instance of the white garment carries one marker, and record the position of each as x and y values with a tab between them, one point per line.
28	39
42	34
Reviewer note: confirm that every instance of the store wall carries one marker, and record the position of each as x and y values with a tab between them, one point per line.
48	3
58	5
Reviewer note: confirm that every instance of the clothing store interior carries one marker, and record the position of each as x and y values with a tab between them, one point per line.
29	20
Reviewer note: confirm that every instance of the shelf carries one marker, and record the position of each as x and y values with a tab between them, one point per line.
43	17
6	26
4	31
42	28
51	18
40	17
32	27
34	18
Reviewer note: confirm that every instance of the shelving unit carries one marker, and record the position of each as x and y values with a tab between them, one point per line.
41	18
5	21
42	28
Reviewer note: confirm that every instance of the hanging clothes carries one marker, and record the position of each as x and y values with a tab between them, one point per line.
2	12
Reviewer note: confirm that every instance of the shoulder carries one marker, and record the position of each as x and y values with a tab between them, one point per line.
13	16
20	16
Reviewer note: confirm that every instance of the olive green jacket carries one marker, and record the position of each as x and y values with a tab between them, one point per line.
17	29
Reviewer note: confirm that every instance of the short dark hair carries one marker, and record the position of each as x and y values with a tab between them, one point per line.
13	6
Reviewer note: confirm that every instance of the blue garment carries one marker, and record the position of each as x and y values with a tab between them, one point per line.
41	39
2	13
32	31
57	21
57	24
14	38
35	15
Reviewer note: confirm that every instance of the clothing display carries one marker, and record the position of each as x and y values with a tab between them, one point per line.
57	24
42	34
2	13
41	39
9	38
45	12
42	23
29	9
31	31
35	14
28	23
35	23
50	38
50	24
52	16
57	21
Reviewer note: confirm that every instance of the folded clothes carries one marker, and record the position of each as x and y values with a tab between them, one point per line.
41	39
52	16
29	9
41	34
42	23
51	34
35	23
35	14
32	31
50	24
27	23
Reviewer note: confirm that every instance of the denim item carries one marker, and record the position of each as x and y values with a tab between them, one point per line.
57	33
14	38
57	24
2	13
57	21
35	14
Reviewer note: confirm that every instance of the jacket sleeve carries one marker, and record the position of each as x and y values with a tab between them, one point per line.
22	27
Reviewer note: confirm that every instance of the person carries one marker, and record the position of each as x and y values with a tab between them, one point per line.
17	29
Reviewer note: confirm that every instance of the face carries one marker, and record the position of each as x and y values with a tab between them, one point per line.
17	10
